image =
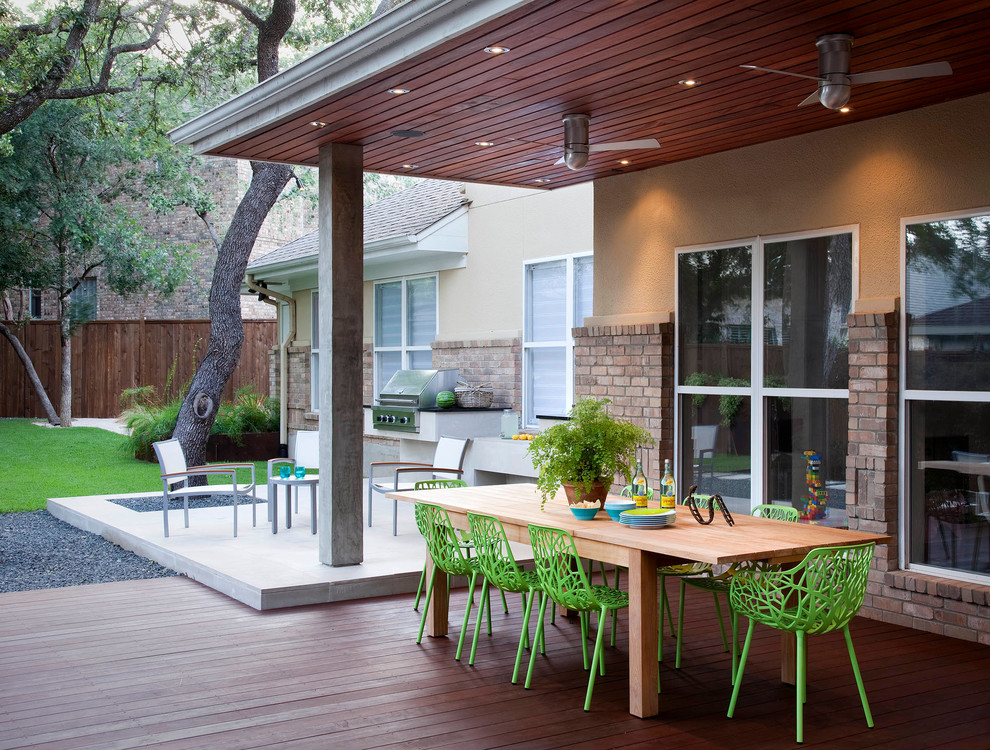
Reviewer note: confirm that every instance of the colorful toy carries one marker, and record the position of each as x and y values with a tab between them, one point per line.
814	503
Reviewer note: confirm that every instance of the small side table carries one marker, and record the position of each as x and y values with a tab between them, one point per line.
275	482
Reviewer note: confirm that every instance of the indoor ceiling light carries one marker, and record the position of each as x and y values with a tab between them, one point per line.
409	166
398	91
846	110
623	161
318	124
496	49
542	179
688	82
484	144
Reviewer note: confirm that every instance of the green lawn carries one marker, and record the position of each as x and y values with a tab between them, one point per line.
40	463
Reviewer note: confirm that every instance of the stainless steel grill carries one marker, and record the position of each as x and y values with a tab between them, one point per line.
407	392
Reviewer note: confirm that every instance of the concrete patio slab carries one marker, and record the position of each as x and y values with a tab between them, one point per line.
261	569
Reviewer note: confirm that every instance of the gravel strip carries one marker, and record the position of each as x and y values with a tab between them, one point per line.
38	551
154	504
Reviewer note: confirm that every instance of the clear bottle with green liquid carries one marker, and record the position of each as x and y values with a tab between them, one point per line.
668	492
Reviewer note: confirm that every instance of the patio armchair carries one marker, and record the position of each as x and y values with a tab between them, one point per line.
172	461
447	462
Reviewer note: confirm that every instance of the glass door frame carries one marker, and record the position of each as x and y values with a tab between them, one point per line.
757	392
905	396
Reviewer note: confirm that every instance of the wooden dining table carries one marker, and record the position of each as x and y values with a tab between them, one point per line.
641	551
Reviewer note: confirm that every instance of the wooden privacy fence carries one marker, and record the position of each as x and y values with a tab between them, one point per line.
109	356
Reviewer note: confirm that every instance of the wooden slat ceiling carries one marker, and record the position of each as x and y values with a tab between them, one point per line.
620	62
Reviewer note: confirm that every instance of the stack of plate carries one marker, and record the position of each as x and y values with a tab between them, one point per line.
647	518
617	505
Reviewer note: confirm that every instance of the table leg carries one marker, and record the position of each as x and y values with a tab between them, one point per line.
643	700
312	506
288	506
436	613
788	658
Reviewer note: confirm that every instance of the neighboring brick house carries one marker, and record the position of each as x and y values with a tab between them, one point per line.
227	179
455	277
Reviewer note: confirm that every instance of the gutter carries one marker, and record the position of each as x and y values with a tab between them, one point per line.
283	363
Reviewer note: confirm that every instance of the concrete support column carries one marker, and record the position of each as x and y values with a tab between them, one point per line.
341	318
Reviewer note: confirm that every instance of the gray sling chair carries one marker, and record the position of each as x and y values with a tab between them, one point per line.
172	461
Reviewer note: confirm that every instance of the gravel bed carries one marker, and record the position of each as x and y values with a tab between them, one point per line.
154	504
38	551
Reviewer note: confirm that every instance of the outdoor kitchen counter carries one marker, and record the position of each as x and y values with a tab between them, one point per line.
494	460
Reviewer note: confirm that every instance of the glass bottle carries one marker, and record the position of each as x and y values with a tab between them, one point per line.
639	488
668	491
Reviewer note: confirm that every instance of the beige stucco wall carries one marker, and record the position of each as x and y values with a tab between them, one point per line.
869	174
505	227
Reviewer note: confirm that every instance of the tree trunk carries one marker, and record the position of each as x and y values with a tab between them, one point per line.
32	374
65	399
199	410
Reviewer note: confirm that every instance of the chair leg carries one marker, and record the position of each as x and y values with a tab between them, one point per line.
395	519
235	511
523	636
734	624
426	606
584	617
536	639
185	510
664	605
370	492
739	671
802	681
505	604
721	622
477	625
419	589
858	676
596	660
254	506
467	615
165	512
680	625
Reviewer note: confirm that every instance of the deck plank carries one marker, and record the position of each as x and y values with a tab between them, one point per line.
170	663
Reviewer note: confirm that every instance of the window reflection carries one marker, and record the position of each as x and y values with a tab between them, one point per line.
948	304
715	435
807	295
715	316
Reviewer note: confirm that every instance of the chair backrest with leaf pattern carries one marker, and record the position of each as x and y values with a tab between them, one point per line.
559	568
441	540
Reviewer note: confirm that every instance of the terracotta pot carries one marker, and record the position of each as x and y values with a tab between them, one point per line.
596	493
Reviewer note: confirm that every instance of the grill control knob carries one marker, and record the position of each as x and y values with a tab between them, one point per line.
404	420
391	417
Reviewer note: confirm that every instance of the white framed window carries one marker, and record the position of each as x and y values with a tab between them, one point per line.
557	297
761	367
405	314
314	351
945	395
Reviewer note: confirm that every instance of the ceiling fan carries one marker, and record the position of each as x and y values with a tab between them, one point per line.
577	149
834	79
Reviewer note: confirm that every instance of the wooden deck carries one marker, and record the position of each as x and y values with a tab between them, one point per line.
171	663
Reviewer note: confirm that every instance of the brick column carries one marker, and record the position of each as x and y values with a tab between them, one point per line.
871	464
634	366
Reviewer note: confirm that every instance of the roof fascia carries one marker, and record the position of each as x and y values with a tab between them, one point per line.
398	36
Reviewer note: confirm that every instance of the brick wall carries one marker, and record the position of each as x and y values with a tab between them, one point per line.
634	366
497	361
938	605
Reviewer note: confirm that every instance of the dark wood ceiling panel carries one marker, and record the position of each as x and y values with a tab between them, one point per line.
619	61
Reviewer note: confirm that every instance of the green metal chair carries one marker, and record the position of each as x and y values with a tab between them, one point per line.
563	580
501	570
437	484
719	584
819	595
449	557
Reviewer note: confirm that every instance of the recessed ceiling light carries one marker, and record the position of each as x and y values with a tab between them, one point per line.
398	91
846	110
484	144
689	82
496	49
623	161
318	124
409	166
542	179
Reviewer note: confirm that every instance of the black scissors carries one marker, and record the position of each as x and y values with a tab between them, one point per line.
714	501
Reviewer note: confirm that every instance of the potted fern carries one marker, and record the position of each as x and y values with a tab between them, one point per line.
585	453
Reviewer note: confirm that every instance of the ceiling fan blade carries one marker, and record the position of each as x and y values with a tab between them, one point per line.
625	145
899	74
781	72
812	99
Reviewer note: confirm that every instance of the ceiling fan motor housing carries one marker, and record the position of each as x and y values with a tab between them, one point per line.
576	141
834	51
